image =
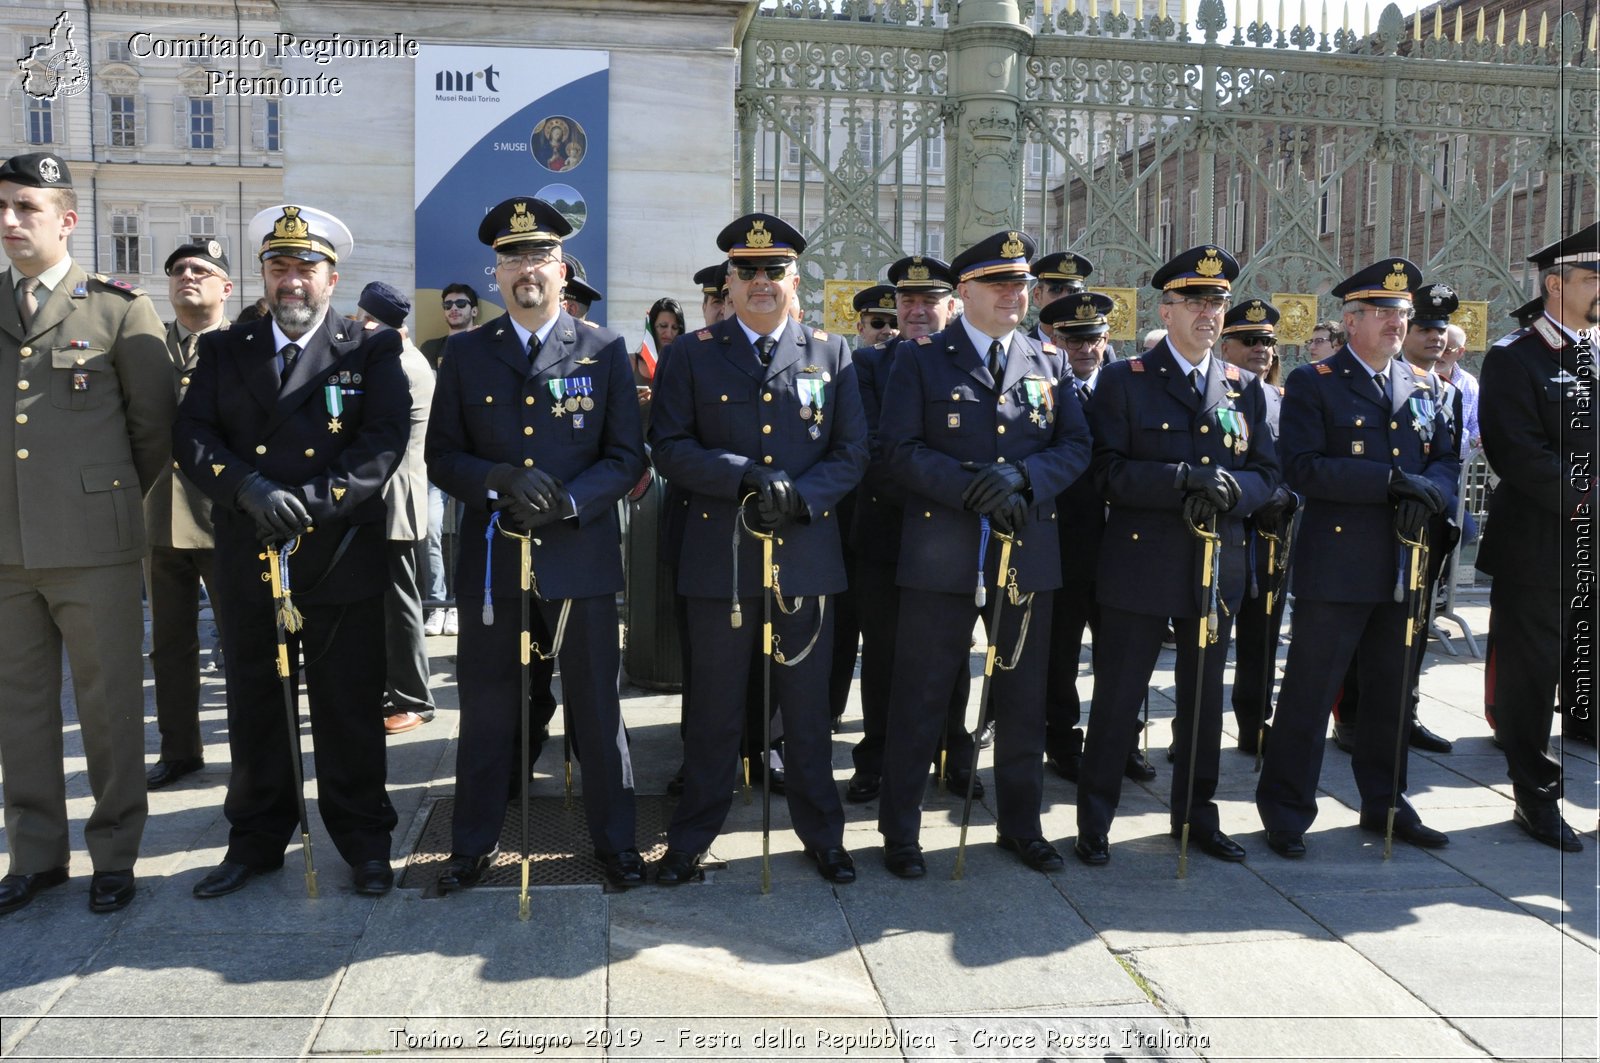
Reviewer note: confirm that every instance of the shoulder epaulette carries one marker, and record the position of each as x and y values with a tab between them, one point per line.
116	284
703	334
370	325
1549	333
1324	368
1048	347
819	334
586	321
1231	372
1136	365
1417	370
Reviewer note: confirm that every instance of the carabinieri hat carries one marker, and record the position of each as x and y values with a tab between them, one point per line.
1251	318
1001	257
922	273
1582	248
760	239
209	252
36	169
1387	282
1434	305
878	299
1063	267
1203	270
1079	314
523	223
293	231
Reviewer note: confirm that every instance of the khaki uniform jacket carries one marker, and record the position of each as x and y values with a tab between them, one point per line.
90	426
177	514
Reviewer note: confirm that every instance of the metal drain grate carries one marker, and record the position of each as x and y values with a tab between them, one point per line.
563	854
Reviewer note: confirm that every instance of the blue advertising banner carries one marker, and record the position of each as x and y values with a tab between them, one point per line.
494	123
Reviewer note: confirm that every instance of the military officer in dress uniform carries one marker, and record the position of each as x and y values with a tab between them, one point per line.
178	518
535	419
759	404
1060	274
925	302
1179	441
975	426
1078	325
578	296
875	315
713	282
1537	415
292	424
1368	448
89	433
1250	341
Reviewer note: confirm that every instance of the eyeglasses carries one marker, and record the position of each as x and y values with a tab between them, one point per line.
1385	313
181	269
879	322
1261	342
457	304
773	273
1057	287
532	260
1079	341
1202	304
1316	340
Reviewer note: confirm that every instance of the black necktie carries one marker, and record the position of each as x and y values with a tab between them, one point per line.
1381	382
1199	382
290	352
764	348
533	346
997	361
1083	394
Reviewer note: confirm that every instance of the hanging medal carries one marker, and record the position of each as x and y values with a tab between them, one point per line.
333	398
586	391
1421	404
558	390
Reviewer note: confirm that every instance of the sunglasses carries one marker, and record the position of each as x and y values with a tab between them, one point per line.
457	304
879	322
773	273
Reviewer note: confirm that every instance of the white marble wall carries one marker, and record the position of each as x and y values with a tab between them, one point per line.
672	133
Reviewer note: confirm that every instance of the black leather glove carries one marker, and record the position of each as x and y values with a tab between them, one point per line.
775	493
992	485
1405	486
531	487
1198	510
1217	485
1409	517
279	513
1273	515
1009	516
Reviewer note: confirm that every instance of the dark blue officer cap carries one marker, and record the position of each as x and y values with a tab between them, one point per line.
878	299
1063	267
36	169
523	223
1387	282
713	280
1203	270
210	252
1582	248
581	291
1000	257
922	273
1253	317
760	239
386	303
1434	305
1081	314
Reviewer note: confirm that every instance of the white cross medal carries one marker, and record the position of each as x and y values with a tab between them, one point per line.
1421	404
333	398
813	394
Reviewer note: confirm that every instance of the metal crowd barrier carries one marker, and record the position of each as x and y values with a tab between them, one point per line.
1472	498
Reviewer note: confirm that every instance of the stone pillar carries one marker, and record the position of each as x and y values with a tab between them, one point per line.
984	130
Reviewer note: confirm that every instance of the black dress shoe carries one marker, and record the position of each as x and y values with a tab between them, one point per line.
16	891
1247	739
675	784
834	864
372	878
777	780
227	877
678	867
1035	852
1344	737
1138	768
956	783
1543	823
864	787
1287	843
986	736
1214	843
167	772
463	872
110	891
624	869
1067	767
1408	830
904	859
1427	741
1092	849
838	723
